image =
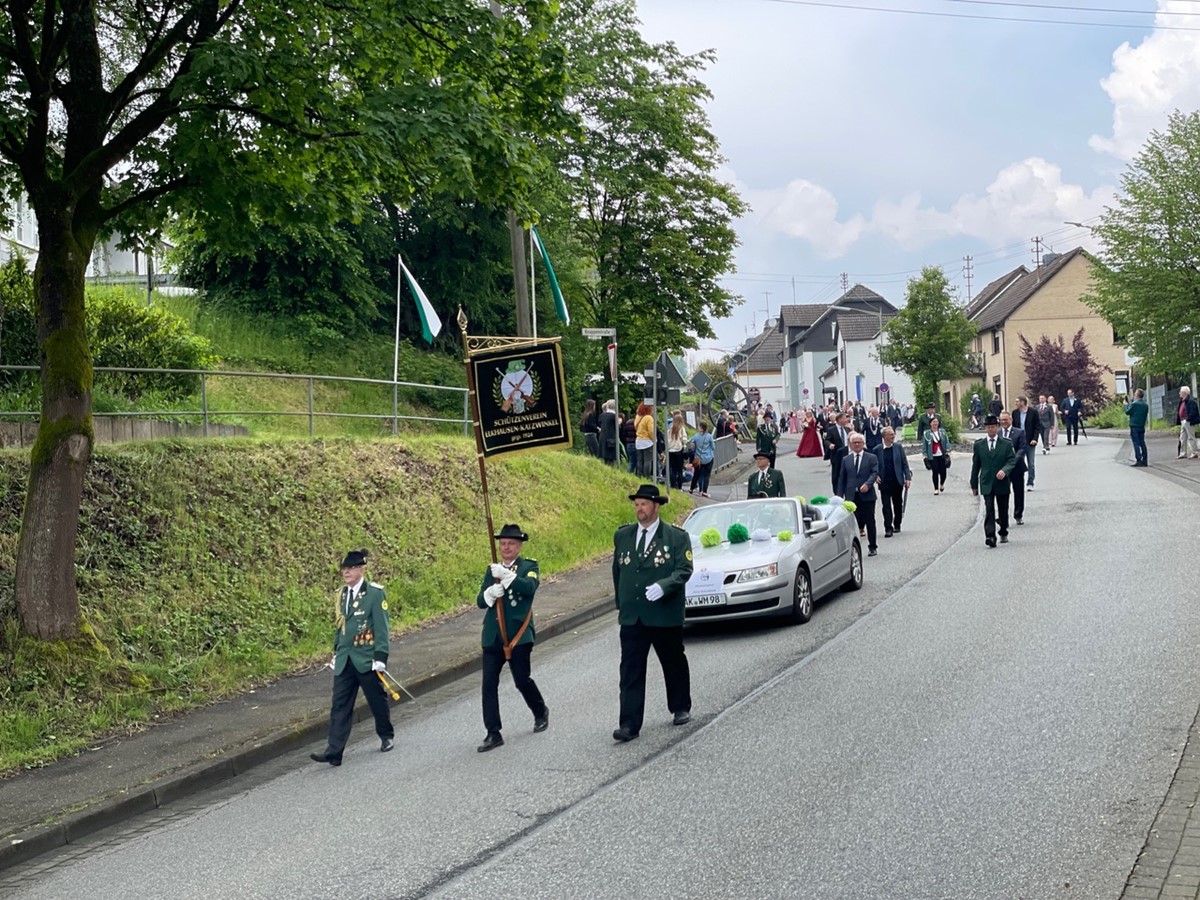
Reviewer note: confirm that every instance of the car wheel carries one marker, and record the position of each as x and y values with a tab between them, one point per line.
855	581
802	598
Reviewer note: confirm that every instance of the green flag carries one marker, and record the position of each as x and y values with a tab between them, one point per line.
560	305
431	325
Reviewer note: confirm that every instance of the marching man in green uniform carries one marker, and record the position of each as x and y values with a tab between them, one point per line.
652	562
508	634
766	482
992	462
766	439
360	650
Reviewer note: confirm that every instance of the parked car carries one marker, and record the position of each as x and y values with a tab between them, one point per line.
789	555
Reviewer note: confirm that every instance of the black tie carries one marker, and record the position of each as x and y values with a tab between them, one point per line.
991	446
857	462
641	548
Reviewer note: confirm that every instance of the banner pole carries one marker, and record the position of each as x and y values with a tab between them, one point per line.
532	284
474	400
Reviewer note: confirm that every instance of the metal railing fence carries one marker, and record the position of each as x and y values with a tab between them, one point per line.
207	414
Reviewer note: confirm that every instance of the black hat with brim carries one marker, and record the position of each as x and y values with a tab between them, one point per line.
931	406
991	420
354	559
511	531
761	455
648	492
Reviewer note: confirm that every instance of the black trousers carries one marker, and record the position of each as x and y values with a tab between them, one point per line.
493	662
1018	492
995	507
864	515
1072	429
636	641
892	495
341	714
835	471
939	472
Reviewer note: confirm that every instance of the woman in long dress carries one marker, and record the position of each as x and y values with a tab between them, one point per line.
810	438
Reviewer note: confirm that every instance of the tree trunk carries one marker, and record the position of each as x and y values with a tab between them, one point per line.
45	591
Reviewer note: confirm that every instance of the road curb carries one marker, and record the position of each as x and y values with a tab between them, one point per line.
106	812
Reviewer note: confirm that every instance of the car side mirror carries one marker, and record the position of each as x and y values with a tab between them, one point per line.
811	528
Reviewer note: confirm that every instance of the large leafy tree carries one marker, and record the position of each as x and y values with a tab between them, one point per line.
654	219
1149	285
928	339
117	112
1051	368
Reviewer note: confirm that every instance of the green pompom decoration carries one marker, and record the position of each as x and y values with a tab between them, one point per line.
849	505
710	537
738	533
818	501
784	536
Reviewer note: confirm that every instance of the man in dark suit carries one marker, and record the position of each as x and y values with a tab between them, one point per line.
652	562
992	462
1017	437
766	482
837	438
995	406
1072	411
1026	418
895	476
873	429
926	417
859	475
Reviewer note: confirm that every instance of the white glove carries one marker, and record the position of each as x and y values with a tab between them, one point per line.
333	662
378	666
498	570
654	592
507	578
492	594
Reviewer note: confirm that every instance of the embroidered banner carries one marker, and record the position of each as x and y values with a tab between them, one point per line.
520	398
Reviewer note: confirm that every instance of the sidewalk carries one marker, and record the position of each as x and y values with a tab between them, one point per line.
124	776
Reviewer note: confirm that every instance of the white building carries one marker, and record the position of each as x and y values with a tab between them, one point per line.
856	373
756	366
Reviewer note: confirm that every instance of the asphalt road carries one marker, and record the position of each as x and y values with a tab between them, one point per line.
975	723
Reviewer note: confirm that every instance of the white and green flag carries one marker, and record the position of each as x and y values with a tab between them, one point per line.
560	305
431	325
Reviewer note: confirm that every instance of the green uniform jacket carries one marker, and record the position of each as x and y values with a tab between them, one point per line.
771	485
1138	412
985	465
668	561
363	637
516	603
766	438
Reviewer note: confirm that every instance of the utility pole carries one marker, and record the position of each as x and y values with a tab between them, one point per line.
845	282
793	290
1037	252
516	239
968	271
767	294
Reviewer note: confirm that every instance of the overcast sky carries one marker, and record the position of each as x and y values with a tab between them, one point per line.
874	143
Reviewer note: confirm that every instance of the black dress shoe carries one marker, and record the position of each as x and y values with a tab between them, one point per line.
491	742
682	718
872	552
887	533
991	542
1004	538
897	529
388	744
624	735
542	722
325	758
1019	521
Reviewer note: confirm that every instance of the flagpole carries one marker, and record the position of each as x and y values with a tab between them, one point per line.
532	284
396	351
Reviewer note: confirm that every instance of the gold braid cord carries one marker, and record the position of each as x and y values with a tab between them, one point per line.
339	618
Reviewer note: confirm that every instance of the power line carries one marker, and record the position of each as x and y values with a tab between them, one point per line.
1099	9
950	15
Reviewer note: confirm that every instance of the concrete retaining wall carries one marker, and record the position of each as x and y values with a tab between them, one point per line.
116	429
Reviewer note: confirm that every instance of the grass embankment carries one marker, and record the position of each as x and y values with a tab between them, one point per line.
206	568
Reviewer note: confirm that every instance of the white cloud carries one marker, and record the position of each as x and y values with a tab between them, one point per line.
808	211
1149	81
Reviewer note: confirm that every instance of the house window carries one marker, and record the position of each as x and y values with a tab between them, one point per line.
995	343
996	388
1118	338
842	358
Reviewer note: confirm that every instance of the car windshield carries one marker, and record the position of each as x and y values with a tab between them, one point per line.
773	515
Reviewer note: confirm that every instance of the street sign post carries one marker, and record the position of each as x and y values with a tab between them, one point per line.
596	334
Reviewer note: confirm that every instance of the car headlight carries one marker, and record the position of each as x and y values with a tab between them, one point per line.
758	573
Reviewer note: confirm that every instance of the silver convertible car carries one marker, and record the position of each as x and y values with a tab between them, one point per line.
770	557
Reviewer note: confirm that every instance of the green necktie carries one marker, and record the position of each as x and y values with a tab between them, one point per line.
641	547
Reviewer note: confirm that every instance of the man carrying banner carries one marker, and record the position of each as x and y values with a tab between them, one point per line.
508	634
652	562
360	650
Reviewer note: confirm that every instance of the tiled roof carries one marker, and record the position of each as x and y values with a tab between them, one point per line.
993	290
859	326
1007	302
858	292
765	352
800	315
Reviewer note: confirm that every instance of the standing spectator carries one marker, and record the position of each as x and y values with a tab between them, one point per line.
608	433
628	434
1047	423
894	478
589	424
1028	421
508	633
995	406
860	474
926	417
1138	411
1017	438
706	452
1072	412
895	416
935	446
360	650
873	429
1187	417
646	440
992	461
837	437
767	437
652	562
723	427
677	441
